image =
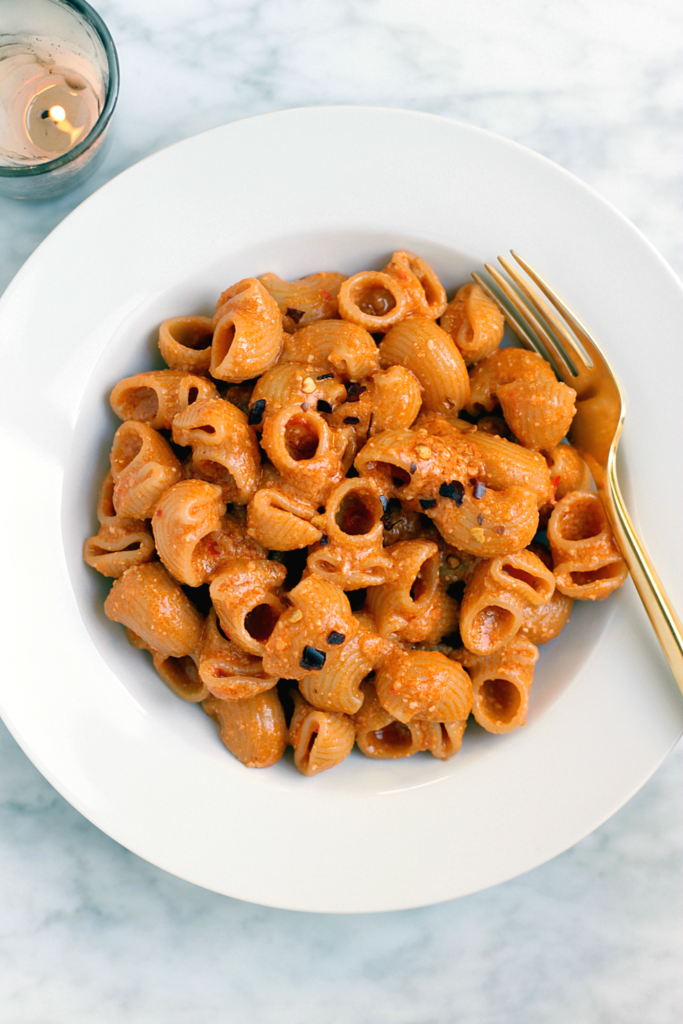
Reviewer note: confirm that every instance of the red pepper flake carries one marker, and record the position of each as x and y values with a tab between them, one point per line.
479	490
158	512
500	530
480	519
220	673
554	484
325	295
413	467
372	416
295	314
305	406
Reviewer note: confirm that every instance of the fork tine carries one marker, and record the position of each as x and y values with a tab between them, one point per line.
574	355
591	347
554	355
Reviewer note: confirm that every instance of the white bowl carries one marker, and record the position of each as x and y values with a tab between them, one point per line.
296	192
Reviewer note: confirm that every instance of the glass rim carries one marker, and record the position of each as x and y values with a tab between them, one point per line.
90	15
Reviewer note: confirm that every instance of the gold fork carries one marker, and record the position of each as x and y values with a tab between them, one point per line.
579	362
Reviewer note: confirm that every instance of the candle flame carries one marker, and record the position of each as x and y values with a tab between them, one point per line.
58	115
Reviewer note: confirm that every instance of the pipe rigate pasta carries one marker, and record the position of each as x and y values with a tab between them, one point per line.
348	510
474	322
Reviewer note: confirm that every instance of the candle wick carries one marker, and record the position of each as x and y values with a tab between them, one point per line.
45	113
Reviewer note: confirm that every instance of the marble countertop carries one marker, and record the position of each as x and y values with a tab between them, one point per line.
88	931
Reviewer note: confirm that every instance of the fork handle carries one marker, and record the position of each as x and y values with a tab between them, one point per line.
666	623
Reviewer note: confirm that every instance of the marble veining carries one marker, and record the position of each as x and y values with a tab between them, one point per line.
88	931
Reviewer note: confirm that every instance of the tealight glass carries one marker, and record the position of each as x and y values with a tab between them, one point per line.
59	82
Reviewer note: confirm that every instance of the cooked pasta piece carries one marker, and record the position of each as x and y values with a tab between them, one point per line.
414	465
185	343
504	464
505	366
194	536
312	632
568	471
224	446
143	467
423	686
426	295
380	735
353	555
408	606
390	399
496	523
337	345
306	452
157	396
254	729
543	623
539	412
281	521
247	338
588	564
305	301
373	300
294	384
245	599
226	670
181	675
149	601
426	350
496	597
474	322
501	683
119	545
337	687
321	739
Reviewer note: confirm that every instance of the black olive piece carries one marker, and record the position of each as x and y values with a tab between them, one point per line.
323	406
427	502
351	419
312	659
335	638
324	540
480	519
256	412
454	490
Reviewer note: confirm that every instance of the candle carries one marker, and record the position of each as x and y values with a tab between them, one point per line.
58	87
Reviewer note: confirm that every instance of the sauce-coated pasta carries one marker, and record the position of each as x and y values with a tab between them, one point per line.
322	518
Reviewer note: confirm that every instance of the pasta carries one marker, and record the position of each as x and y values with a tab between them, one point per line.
322	518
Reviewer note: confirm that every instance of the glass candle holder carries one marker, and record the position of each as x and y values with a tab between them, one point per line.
59	81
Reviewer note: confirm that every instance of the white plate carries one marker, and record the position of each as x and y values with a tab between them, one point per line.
295	192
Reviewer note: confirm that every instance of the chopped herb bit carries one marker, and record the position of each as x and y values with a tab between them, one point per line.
313	659
351	419
323	406
480	519
325	376
256	412
479	490
295	314
428	502
413	467
454	490
324	540
335	638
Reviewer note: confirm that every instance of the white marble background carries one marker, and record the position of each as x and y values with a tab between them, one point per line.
90	933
